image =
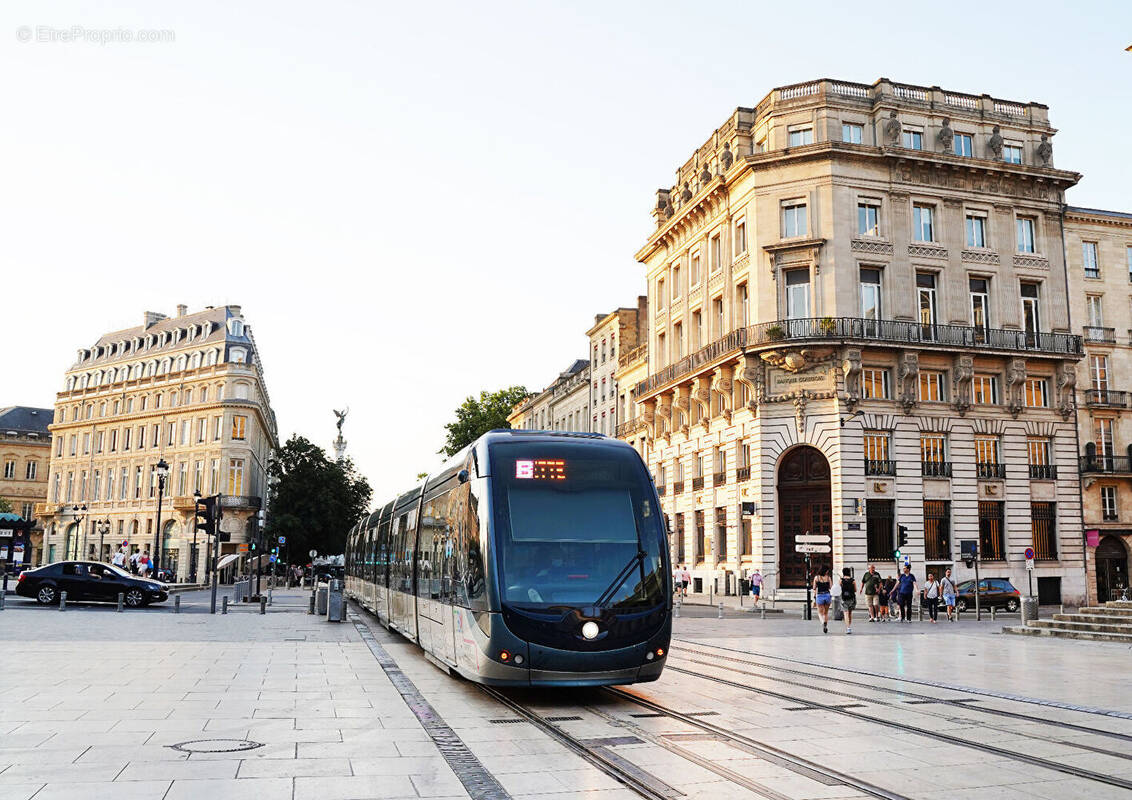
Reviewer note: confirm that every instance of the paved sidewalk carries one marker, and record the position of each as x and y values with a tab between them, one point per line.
92	701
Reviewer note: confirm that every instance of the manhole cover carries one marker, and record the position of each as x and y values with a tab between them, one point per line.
216	745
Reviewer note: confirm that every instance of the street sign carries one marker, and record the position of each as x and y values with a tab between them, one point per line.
815	538
282	540
1029	554
273	559
243	548
1030	564
812	548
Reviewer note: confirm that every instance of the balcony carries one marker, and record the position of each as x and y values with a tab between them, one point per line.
1105	398
241	502
697	483
786	332
627	357
629	428
873	467
719	478
1096	334
990	470
1043	472
677	487
1106	464
743	473
184	503
935	469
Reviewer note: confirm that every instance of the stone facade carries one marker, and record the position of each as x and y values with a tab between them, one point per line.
1099	248
25	452
611	333
562	406
858	321
188	390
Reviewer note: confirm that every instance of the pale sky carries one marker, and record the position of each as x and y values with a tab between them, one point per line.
416	201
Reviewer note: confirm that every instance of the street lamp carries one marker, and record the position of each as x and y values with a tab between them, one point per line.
193	563
103	529
78	512
162	474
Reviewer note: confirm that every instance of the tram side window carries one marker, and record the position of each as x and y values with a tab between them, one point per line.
412	554
431	529
383	551
369	557
400	560
475	581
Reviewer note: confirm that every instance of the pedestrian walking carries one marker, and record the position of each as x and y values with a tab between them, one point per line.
872	583
930	596
949	591
884	589
144	564
119	559
848	597
822	597
134	562
756	586
685	579
905	588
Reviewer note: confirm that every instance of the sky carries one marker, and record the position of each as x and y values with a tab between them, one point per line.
413	202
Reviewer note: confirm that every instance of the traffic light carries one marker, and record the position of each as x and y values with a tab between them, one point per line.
206	515
901	541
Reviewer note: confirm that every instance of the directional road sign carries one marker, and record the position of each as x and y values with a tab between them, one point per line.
813	548
814	538
282	540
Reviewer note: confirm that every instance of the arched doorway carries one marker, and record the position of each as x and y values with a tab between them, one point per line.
804	507
71	548
169	555
1112	567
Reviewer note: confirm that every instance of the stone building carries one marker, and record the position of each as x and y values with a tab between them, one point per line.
858	320
1099	248
187	390
621	328
564	405
25	452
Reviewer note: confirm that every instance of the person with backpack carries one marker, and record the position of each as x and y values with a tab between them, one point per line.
848	597
905	588
949	591
930	597
134	562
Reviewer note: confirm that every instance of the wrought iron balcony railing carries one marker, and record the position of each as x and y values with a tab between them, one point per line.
677	487
874	467
792	331
719	478
1094	333
935	469
1106	398
743	473
1106	464
697	483
1043	472
628	428
983	470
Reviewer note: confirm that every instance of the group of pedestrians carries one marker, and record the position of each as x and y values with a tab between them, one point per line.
139	563
883	595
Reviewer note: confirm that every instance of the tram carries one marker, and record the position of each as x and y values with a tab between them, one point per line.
532	558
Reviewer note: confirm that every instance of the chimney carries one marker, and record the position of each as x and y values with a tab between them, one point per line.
152	318
235	310
182	310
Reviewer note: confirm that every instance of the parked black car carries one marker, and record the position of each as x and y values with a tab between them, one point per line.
89	580
997	592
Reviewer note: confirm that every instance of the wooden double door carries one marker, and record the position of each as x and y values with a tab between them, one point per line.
804	507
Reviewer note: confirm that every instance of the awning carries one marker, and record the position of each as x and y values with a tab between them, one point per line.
227	560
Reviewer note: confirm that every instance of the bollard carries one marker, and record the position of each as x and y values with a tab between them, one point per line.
262	604
721	610
1061	609
62	601
2	601
710	592
121	600
224	604
177	604
921	613
311	611
269	598
762	612
992	613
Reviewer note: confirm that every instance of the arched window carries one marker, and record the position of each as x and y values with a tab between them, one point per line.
211	357
242	391
96	380
150	368
236	327
180	363
238	355
83	381
166	364
70	382
195	361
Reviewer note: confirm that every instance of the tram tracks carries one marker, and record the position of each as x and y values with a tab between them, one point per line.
833	708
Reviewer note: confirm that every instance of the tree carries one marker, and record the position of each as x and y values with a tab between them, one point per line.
5	506
317	500
476	417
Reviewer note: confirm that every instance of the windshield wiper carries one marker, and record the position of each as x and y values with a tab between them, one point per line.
622	576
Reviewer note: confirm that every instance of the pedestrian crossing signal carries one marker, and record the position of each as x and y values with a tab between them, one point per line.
901	541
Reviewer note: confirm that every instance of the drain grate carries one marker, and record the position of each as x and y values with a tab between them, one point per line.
563	719
215	745
648	715
505	721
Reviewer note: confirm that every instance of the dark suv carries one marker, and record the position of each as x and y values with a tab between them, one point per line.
993	592
89	580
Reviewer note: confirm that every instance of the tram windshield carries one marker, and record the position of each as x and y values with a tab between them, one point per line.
570	518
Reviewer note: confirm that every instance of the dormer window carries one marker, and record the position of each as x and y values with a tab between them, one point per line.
236	327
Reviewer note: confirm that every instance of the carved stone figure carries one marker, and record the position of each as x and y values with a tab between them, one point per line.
725	158
800	414
1045	151
908	378
946	137
724	386
963	373
851	367
1067	389
751	374
1015	386
686	193
701	393
995	142
705	176
892	129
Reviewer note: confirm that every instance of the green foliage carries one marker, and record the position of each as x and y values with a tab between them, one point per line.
5	507
476	417
317	500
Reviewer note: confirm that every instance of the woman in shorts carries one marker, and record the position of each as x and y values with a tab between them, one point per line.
848	597
882	598
948	588
822	597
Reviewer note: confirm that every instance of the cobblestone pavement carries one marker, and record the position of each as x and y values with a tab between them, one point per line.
94	701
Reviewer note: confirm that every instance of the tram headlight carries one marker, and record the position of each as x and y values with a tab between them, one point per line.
590	630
